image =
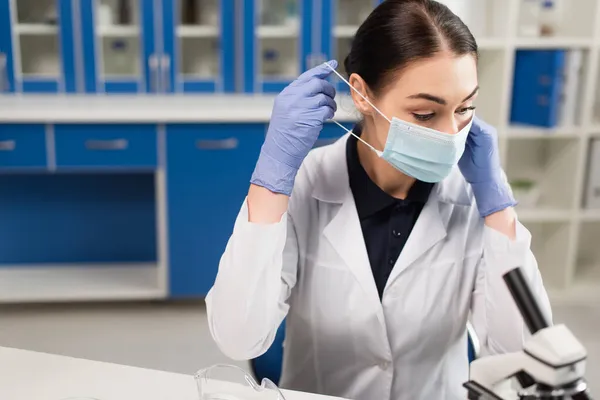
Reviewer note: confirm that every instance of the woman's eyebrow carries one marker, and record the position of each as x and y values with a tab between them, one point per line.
427	96
472	94
439	100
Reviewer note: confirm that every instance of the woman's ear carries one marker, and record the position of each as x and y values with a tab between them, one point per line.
360	103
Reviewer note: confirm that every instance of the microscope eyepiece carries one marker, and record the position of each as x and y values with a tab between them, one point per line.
526	302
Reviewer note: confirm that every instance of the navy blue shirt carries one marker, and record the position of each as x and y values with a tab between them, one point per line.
386	222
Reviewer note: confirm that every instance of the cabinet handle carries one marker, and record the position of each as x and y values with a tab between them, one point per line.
3	73
7	145
153	67
224	144
118	144
165	65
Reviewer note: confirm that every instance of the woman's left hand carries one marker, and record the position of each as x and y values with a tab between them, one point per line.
480	165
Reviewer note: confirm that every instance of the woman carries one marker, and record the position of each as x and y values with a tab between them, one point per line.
378	258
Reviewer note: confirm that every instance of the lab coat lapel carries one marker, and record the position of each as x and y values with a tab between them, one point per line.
429	229
344	233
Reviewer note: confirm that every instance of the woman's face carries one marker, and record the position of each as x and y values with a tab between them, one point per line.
437	93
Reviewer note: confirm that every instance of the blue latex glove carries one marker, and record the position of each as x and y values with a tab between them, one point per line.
480	165
297	119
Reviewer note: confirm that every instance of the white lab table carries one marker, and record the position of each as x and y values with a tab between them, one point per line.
28	375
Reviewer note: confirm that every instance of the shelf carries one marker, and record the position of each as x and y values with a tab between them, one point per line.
36	29
543	215
197	31
491	43
40	75
277	31
551	164
345	31
41	283
552	43
591	215
530	132
595	131
118	31
580	293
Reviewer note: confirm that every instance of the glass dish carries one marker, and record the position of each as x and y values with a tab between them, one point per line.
229	382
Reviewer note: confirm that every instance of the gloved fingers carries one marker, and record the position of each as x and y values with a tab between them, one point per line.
480	126
321	71
325	113
316	86
323	100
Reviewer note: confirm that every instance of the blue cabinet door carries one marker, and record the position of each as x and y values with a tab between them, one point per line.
277	42
36	47
23	147
208	172
340	20
118	45
199	46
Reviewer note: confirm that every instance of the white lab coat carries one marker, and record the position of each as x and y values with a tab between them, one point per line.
312	267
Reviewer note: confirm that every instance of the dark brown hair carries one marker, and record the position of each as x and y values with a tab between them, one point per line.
398	32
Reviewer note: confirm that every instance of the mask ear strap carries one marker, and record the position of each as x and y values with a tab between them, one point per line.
379	153
357	92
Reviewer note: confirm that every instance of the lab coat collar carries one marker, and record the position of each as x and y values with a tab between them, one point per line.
332	185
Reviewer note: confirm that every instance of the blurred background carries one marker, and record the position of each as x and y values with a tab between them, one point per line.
129	130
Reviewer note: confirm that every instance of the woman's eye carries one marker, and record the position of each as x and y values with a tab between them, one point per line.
465	110
423	117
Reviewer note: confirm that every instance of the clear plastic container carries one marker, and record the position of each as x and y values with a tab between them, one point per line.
529	18
272	63
119	58
550	17
228	382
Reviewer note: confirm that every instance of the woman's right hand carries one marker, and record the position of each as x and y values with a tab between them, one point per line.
297	119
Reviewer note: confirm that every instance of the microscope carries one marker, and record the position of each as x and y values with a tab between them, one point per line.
550	366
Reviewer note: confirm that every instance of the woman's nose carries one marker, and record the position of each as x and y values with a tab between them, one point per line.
449	126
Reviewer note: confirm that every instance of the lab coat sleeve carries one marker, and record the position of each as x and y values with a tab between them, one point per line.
495	316
257	272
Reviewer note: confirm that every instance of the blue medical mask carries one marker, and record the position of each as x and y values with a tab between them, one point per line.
422	153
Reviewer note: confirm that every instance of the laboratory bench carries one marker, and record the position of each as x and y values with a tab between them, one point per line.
124	198
36	375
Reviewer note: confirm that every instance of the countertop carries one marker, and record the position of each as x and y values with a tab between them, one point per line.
216	108
27	375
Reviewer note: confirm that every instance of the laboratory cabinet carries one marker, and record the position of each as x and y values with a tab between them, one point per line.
208	174
117	46
170	46
284	38
22	147
125	211
37	49
203	205
118	146
340	20
157	46
277	42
